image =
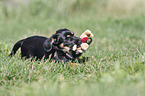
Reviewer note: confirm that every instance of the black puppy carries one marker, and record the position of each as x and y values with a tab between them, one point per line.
55	47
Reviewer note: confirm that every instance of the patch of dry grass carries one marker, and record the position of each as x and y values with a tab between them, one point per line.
125	7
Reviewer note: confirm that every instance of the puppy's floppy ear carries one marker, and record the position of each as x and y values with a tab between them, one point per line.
48	44
57	39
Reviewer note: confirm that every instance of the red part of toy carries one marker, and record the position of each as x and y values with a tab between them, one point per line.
84	39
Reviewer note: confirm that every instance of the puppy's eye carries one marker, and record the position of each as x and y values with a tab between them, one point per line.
68	36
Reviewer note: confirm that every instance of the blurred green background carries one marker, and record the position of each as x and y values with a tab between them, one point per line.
20	19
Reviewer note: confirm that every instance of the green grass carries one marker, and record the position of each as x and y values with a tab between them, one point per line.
116	65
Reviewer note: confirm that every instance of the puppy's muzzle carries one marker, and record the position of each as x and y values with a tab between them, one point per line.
78	41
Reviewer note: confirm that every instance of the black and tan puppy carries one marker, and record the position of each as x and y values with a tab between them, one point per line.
56	47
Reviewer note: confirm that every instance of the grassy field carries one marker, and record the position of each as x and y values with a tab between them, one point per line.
116	65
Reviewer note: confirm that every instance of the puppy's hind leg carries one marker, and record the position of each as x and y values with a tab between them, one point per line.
16	47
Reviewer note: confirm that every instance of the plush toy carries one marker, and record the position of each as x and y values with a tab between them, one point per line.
86	41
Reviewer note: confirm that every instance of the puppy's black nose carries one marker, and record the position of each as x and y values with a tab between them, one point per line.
78	41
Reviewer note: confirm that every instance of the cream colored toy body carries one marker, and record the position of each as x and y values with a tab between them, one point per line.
86	40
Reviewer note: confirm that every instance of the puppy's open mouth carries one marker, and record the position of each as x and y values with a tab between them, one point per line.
66	47
73	48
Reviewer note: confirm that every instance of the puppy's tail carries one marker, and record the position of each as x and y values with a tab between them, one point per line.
16	47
